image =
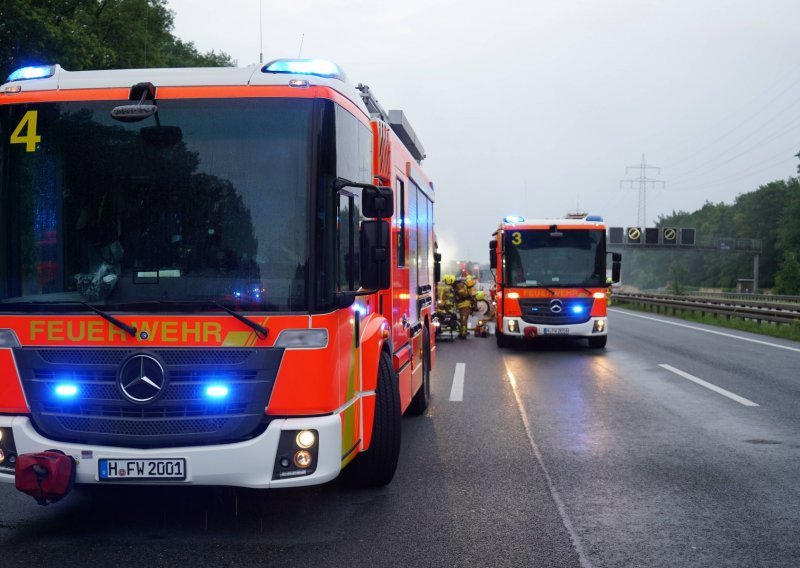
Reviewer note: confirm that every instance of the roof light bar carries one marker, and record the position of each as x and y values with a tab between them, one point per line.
513	219
318	67
34	72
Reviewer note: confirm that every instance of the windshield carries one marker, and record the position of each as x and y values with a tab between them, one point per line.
208	200
575	258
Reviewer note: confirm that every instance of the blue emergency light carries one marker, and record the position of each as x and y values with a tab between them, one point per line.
33	72
577	309
217	391
318	67
513	219
66	390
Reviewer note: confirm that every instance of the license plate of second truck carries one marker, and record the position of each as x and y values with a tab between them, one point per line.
556	331
135	469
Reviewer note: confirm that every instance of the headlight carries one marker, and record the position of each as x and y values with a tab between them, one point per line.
305	439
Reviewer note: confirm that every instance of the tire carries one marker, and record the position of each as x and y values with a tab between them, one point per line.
376	466
419	404
502	340
598	342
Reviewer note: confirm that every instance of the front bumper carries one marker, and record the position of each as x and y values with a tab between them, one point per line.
243	464
517	327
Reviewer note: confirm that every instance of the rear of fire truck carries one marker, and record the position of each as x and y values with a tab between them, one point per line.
191	262
551	279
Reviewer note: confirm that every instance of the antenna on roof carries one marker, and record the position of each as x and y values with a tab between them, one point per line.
300	51
260	33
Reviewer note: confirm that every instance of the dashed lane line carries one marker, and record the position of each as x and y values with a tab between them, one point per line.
709	386
457	390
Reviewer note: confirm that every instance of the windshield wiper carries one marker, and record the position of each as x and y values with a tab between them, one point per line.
260	330
108	317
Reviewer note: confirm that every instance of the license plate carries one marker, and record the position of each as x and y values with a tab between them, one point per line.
137	469
556	331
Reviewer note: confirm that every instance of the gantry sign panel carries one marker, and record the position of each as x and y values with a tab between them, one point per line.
652	236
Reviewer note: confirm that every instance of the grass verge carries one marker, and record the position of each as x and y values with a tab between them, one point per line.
782	330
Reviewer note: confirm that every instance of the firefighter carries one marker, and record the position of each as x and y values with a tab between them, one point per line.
464	290
445	293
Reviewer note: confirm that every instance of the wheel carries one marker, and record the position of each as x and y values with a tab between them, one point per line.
419	404
598	342
503	340
376	466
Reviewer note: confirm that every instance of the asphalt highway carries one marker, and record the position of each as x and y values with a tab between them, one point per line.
677	445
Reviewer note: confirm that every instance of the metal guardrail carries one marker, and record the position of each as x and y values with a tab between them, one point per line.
766	298
760	311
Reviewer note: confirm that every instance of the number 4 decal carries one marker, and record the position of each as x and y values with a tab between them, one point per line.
30	139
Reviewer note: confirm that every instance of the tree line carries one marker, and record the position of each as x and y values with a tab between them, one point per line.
95	34
771	213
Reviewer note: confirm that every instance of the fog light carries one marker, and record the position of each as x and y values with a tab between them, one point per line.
599	326
302	459
285	462
513	326
305	439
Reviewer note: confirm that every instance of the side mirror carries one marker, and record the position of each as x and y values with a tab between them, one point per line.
377	202
616	267
493	254
375	265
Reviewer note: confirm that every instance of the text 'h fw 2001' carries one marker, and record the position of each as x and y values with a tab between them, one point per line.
209	276
551	279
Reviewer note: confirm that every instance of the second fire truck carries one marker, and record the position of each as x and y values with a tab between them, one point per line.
551	279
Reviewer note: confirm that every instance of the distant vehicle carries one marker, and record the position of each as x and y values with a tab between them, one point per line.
551	279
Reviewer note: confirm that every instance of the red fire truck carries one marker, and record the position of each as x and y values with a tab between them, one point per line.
551	278
240	269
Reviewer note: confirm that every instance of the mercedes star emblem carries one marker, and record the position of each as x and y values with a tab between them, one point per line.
141	379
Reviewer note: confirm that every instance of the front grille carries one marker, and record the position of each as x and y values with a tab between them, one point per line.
142	428
539	311
181	415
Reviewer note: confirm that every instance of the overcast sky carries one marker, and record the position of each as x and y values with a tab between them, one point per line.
536	107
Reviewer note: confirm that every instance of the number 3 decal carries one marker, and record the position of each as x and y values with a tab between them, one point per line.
516	238
30	139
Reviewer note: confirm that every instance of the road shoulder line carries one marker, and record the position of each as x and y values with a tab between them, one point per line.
562	511
778	345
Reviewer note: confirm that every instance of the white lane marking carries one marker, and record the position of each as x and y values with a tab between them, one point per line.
778	345
709	386
562	511
457	390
